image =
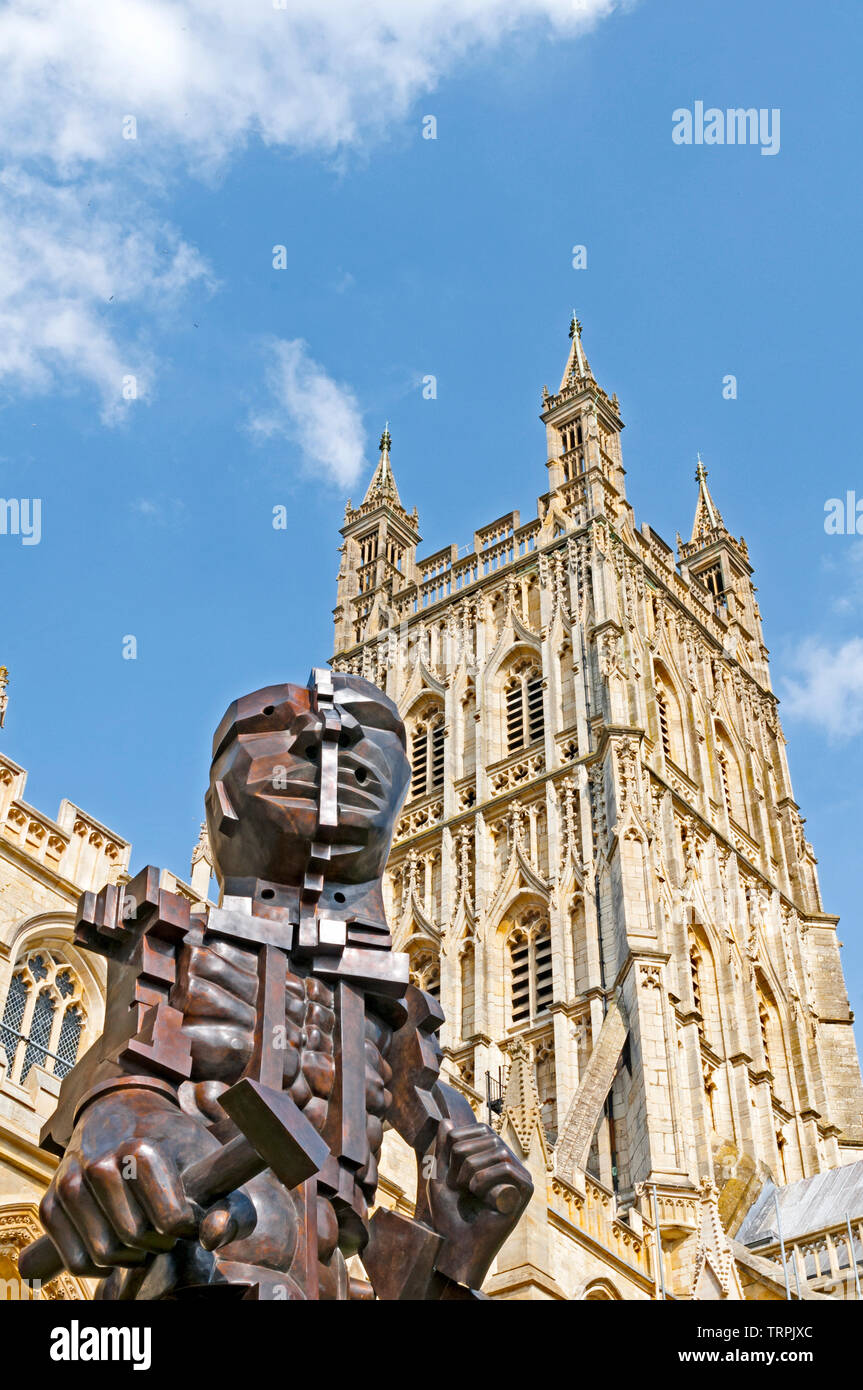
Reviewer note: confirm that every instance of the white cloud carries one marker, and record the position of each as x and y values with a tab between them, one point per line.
70	273
829	690
201	78
202	75
308	408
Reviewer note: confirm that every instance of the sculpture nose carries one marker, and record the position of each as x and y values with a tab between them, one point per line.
351	729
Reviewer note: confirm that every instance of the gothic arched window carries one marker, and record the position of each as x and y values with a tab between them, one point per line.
773	1043
669	719
705	992
427	754
43	1017
530	968
730	780
525	721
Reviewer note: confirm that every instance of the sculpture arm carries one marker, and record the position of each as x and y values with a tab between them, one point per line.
471	1189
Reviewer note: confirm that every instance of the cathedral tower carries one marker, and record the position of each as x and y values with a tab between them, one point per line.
601	866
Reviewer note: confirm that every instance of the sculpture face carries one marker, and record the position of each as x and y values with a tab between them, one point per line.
264	794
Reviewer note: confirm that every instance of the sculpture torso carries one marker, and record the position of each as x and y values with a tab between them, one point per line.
217	992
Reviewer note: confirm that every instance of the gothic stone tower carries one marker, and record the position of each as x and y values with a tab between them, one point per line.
602	867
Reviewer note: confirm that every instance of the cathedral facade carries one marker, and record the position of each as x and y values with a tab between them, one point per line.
601	870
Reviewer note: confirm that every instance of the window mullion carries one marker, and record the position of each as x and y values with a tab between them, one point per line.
27	1017
59	1015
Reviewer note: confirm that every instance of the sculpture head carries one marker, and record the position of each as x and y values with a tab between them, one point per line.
264	798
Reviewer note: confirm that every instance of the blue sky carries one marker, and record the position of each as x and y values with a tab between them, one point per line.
405	257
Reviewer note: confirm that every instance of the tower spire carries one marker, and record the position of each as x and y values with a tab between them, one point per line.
719	563
577	367
708	518
382	487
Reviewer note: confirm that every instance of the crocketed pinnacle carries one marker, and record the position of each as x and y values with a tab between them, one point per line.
577	366
382	487
707	514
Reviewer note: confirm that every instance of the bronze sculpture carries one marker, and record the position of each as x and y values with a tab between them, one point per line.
223	1133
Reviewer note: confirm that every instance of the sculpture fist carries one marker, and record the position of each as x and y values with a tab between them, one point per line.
117	1196
477	1191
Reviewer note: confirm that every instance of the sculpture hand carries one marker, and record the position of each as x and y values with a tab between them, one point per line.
117	1196
472	1166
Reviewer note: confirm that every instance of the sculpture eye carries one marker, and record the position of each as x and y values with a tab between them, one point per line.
361	774
269	709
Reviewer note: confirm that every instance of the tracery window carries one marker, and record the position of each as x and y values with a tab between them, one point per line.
427	754
43	1017
530	968
525	721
